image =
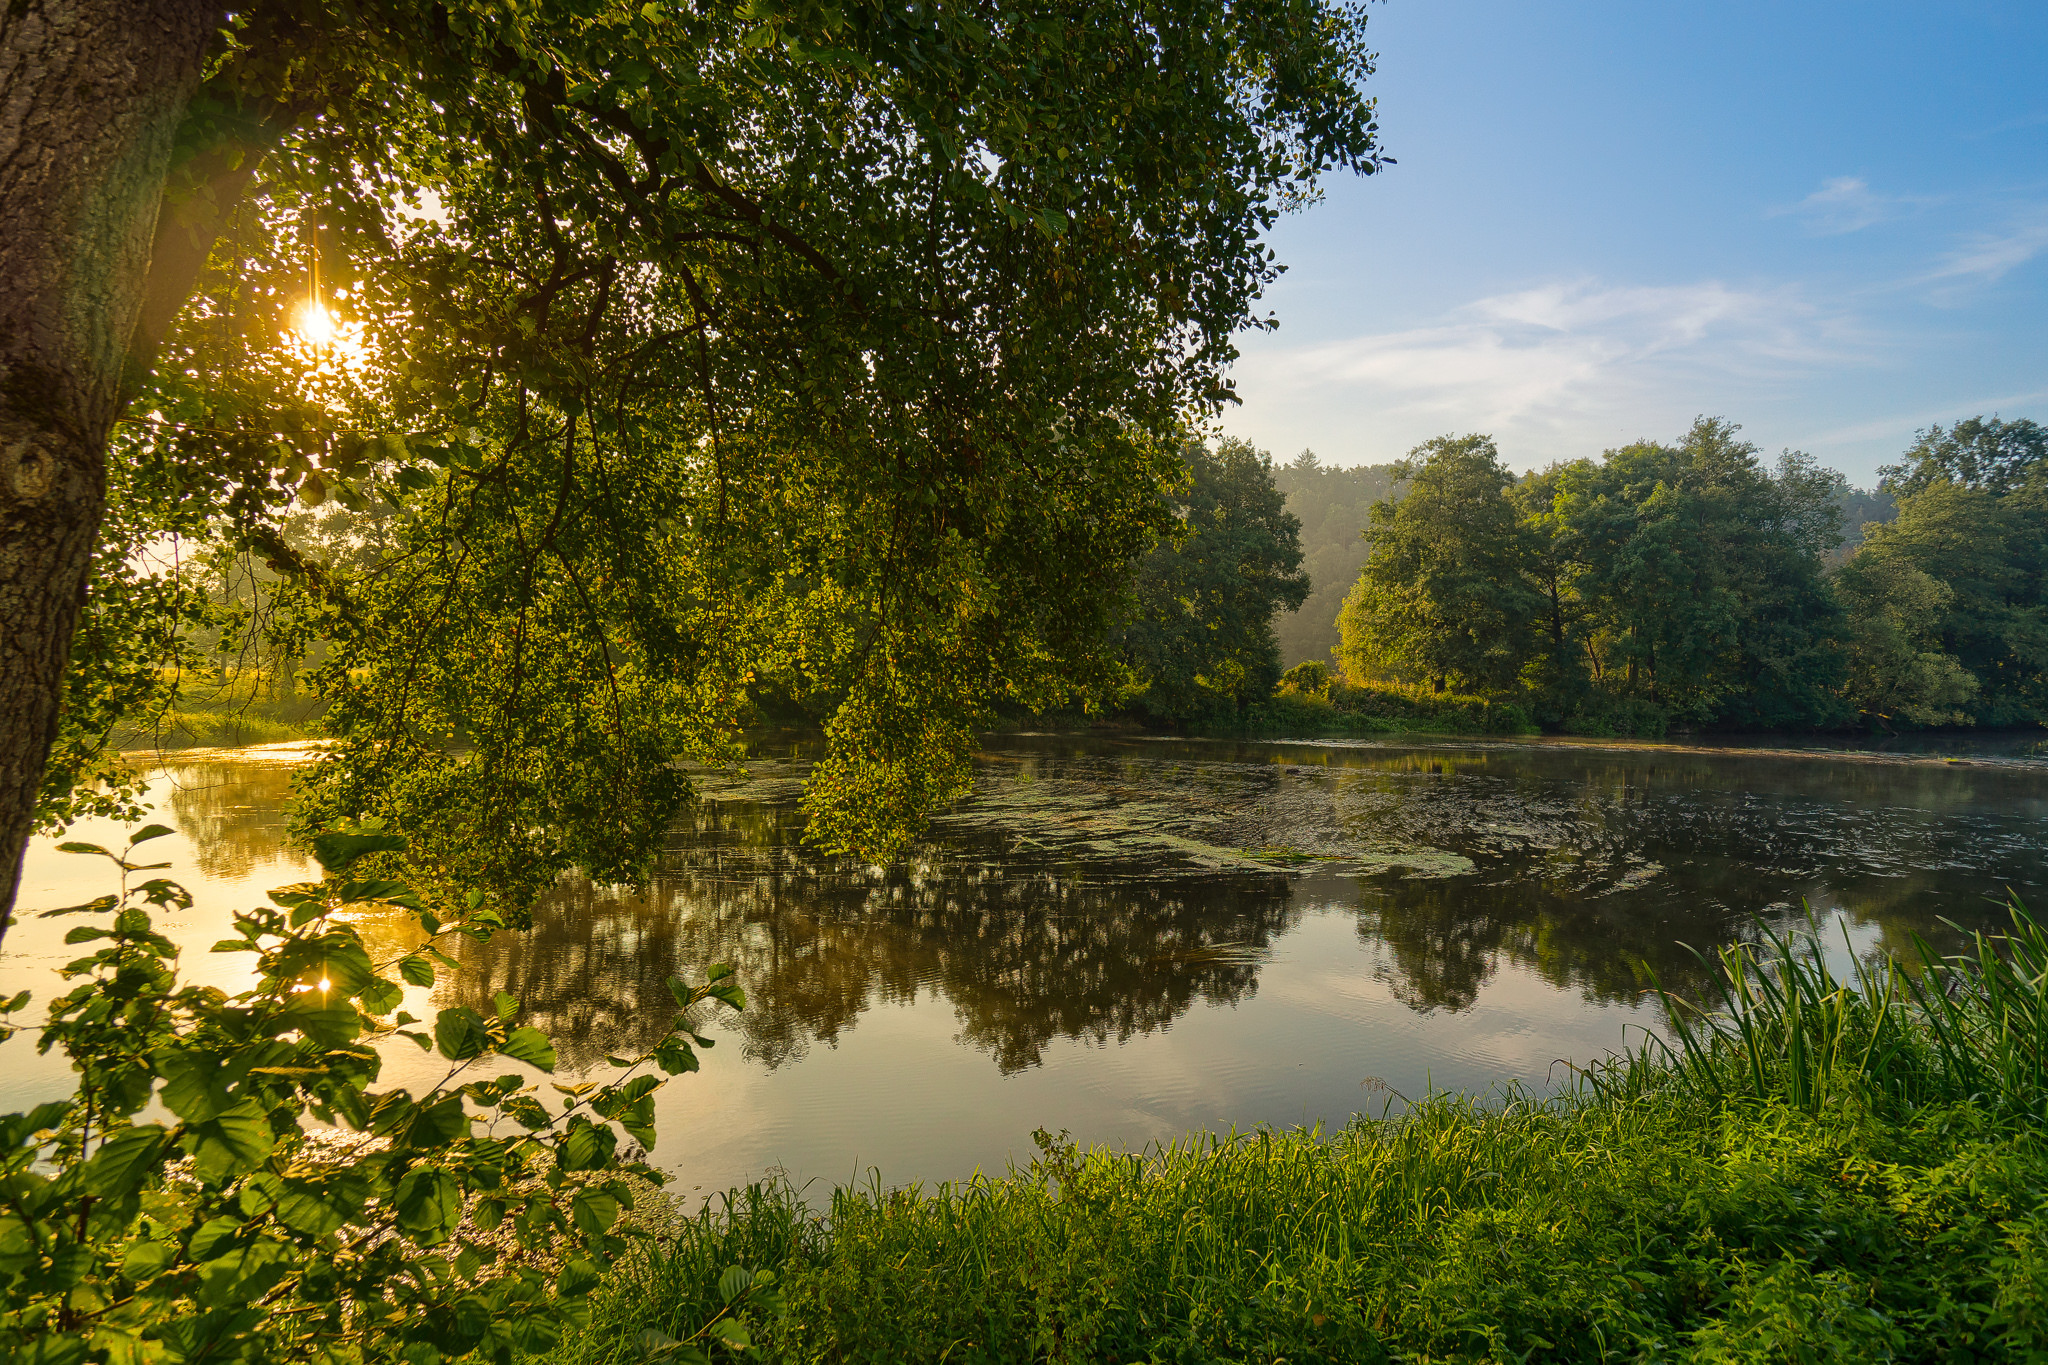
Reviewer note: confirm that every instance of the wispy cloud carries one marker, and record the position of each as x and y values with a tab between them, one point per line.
2009	126
1894	424
1550	369
1842	205
1986	256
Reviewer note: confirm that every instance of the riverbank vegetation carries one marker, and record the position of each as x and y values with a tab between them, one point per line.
1689	584
1814	1168
1682	585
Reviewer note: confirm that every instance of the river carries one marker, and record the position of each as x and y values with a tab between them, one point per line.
1132	938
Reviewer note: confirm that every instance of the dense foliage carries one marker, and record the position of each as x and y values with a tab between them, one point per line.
1823	1170
696	354
182	1205
1690	583
1199	633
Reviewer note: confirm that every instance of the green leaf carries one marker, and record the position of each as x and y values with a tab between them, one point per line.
585	1146
526	1111
304	1210
579	1276
593	1212
438	1124
460	1034
122	1161
17	1246
675	1057
736	1281
417	971
732	1332
148	832
531	1046
326	1017
337	850
234	1142
506	1004
79	846
381	997
195	1083
429	1203
216	1237
473	1316
147	1260
98	906
55	1350
247	1272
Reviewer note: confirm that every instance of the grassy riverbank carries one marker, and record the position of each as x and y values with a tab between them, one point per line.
245	707
1825	1171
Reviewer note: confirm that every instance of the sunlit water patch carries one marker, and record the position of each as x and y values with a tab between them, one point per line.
1130	939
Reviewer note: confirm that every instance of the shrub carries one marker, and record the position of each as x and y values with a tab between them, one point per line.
227	1233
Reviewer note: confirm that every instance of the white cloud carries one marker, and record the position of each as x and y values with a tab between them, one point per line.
1562	369
1985	256
1841	205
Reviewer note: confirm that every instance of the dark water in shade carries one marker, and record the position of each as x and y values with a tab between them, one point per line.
1135	938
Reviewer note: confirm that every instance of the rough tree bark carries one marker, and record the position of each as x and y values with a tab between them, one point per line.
91	96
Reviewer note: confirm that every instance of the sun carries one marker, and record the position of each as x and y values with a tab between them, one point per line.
313	323
329	346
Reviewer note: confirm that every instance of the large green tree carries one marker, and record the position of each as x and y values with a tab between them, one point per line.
835	344
1443	597
1199	632
1700	579
1973	523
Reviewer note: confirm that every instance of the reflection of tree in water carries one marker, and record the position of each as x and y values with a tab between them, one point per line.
1591	879
1587	868
232	812
1025	953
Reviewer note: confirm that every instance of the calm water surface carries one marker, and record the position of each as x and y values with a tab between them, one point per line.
1133	939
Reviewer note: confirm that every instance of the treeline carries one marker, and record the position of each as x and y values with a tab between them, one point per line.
1687	583
1691	583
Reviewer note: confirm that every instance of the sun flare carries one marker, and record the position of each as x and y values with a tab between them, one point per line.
313	324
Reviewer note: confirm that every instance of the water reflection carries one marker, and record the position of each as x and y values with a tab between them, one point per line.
1096	891
1135	938
1023	953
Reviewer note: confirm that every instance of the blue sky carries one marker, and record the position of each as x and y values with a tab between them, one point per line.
1825	221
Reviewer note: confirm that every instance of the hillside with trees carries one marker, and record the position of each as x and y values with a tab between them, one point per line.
1332	504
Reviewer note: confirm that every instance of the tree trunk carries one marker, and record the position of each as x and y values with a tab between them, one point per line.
91	96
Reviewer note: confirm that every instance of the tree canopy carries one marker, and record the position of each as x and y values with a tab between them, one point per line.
1442	597
1689	582
697	350
1333	504
1199	632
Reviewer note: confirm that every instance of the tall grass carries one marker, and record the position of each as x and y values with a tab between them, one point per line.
1808	1169
1968	1027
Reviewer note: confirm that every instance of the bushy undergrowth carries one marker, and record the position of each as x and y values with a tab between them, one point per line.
1814	1170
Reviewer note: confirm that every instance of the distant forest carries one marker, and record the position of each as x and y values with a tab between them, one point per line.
1332	505
1687	583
